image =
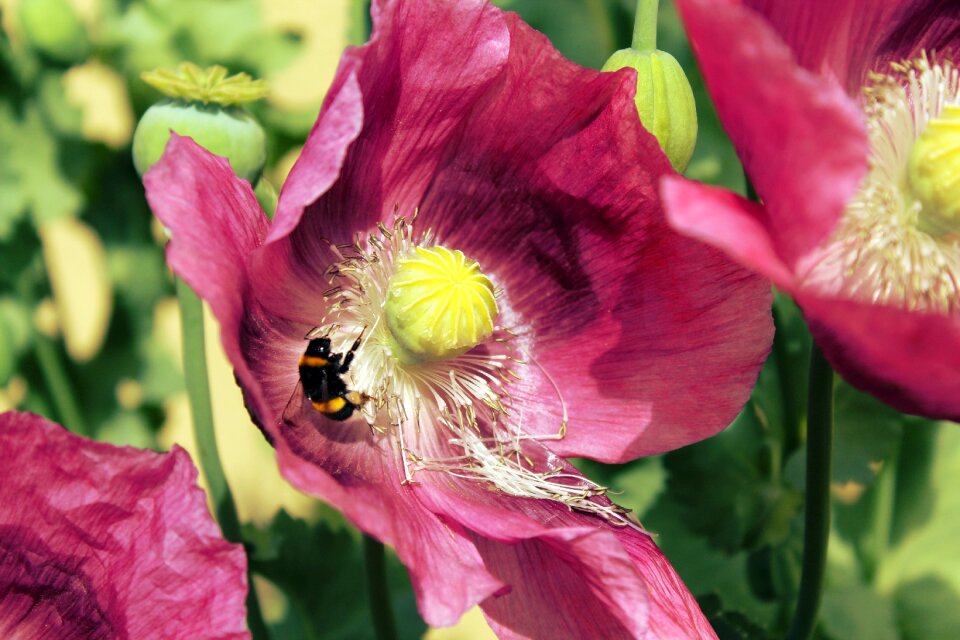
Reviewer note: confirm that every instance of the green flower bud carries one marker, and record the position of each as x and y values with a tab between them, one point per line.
664	100
202	106
53	28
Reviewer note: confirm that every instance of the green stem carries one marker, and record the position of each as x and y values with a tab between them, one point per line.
816	533
791	413
380	608
201	409
645	25
358	25
55	375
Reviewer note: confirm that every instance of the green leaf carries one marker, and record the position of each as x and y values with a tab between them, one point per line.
928	609
127	428
858	613
320	570
923	568
915	501
16	334
30	167
730	625
64	117
704	569
726	490
866	433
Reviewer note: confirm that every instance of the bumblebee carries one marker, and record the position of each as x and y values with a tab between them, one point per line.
321	379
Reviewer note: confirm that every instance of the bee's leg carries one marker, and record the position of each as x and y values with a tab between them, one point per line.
348	357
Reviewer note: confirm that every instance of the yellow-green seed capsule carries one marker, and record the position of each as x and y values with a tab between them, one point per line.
664	100
439	305
205	105
933	173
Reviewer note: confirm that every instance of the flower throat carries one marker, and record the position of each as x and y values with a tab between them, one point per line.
898	242
413	325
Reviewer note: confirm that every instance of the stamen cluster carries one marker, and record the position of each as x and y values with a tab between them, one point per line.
882	251
453	416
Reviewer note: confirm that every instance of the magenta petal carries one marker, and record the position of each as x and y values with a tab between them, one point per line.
98	541
569	575
918	26
800	137
545	190
426	66
724	220
846	39
321	158
216	225
911	360
540	170
395	105
839	38
447	572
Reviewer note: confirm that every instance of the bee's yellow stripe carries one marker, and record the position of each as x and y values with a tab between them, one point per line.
313	361
330	406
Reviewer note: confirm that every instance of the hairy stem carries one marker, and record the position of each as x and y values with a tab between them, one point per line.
201	409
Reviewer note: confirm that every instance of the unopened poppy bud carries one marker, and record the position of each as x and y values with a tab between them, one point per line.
439	305
53	28
934	173
664	100
203	104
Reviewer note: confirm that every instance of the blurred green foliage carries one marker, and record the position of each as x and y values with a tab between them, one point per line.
726	511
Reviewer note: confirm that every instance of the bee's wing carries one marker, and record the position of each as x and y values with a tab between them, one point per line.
296	407
299	414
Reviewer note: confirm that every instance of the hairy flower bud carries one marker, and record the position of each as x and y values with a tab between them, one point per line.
664	100
202	105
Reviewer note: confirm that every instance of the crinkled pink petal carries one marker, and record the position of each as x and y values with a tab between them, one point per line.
98	541
910	359
800	137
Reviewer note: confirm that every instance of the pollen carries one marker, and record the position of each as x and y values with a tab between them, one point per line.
439	305
934	173
897	242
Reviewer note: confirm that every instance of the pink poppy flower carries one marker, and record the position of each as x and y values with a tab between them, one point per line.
841	112
98	541
584	328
